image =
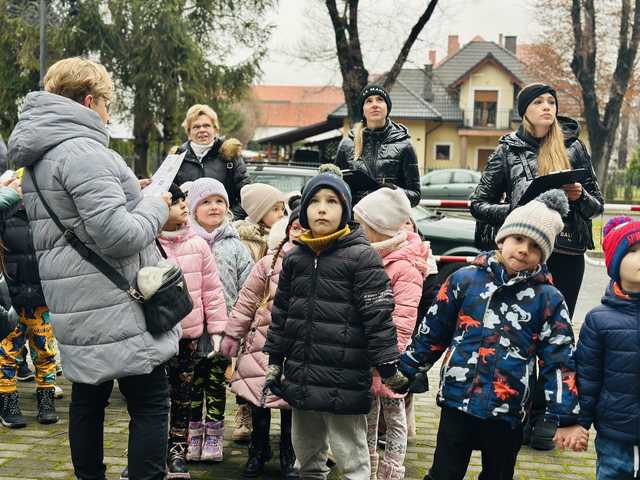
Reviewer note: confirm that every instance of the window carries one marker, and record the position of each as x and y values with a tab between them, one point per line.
463	177
485	107
439	178
443	152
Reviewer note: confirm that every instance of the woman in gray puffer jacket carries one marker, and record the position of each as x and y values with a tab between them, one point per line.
61	138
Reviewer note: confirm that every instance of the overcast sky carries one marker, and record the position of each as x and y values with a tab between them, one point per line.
304	26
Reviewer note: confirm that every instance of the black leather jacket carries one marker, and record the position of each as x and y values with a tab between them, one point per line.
387	156
512	167
224	163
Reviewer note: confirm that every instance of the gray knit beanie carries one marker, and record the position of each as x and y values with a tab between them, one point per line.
539	220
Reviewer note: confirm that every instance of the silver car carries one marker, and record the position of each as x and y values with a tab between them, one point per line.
449	184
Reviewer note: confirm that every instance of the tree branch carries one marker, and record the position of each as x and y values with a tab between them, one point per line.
393	73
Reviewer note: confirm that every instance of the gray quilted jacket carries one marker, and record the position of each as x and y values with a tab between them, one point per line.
101	332
234	263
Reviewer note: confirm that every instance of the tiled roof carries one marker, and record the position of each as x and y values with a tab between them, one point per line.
407	92
295	106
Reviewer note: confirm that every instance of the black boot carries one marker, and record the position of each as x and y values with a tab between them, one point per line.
287	454
46	406
10	413
259	449
176	461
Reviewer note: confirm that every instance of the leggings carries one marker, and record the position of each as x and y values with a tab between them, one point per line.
209	387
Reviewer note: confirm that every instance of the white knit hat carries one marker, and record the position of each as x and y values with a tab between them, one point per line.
539	220
258	198
384	210
203	188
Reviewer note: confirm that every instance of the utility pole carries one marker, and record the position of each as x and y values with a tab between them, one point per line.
42	10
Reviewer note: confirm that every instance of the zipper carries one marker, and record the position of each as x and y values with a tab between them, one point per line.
310	307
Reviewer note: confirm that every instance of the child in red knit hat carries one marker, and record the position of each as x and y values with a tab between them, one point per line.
607	357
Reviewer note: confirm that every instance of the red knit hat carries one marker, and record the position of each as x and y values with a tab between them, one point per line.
620	234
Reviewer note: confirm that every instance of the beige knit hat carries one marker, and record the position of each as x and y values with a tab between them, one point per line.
384	210
258	198
539	220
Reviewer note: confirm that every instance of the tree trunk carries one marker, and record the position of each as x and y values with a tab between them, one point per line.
623	146
169	119
142	124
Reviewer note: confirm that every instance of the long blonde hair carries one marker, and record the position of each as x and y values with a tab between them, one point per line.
552	155
358	140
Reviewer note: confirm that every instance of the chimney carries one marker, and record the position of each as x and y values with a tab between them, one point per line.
500	40
427	88
453	45
432	57
511	43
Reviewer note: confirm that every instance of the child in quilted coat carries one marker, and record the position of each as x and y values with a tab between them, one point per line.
381	215
180	244
494	318
250	320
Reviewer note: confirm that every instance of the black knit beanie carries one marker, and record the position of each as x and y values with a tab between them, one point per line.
373	89
529	93
333	182
176	193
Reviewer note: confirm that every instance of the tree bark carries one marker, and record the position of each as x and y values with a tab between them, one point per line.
142	125
392	75
603	128
623	146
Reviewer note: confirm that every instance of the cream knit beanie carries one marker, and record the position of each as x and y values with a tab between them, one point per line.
258	198
384	210
539	220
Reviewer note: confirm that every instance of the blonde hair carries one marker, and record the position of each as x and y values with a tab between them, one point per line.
552	155
76	77
358	140
195	111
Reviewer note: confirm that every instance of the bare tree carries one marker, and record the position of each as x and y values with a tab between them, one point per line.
603	127
354	73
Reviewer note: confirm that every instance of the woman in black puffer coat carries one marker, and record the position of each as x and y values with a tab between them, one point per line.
523	155
545	142
380	147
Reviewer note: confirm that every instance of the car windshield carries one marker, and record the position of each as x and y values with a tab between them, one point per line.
284	182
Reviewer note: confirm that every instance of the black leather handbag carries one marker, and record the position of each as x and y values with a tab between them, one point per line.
164	309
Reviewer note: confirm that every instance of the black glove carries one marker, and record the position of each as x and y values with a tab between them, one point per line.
419	383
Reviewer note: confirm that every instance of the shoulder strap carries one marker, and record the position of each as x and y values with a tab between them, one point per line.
85	252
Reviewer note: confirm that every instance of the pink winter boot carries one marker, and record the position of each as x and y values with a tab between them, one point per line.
212	447
194	441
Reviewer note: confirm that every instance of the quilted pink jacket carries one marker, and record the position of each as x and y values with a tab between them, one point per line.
194	257
250	320
405	262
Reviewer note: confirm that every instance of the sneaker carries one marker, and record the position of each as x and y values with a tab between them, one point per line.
10	413
58	392
24	373
176	462
212	445
242	430
125	474
58	370
46	406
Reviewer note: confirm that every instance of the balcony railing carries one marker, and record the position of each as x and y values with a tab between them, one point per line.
492	120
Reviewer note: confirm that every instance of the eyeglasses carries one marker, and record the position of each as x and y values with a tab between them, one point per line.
297	228
198	126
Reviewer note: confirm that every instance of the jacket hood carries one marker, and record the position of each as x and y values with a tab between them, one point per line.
490	262
391	133
46	121
406	246
615	297
570	129
229	148
177	236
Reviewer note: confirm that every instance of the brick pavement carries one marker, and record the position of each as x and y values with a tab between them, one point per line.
42	452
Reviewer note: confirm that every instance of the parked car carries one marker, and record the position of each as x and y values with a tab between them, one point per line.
449	234
449	184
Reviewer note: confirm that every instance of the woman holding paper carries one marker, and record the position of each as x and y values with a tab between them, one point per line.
544	143
380	148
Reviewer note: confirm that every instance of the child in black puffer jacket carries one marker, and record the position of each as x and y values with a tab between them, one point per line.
20	266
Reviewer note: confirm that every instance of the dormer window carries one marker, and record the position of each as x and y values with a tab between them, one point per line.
485	107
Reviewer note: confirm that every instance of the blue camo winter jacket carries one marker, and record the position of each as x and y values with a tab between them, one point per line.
493	328
608	361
